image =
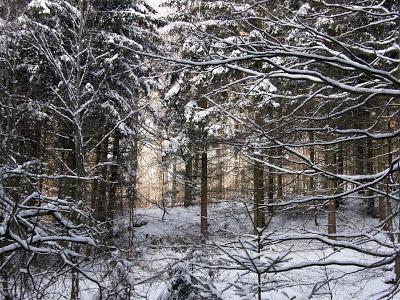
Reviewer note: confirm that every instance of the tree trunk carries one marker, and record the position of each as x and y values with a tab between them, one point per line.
340	167
75	285
311	186
270	188
188	200
311	183
332	218
204	190
331	186
258	179
243	180
114	177
370	171
280	175
258	182
359	157
132	190
101	199
95	184
173	189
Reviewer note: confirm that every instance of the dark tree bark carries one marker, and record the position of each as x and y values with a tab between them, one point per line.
174	183
114	178
204	192
102	195
188	198
370	169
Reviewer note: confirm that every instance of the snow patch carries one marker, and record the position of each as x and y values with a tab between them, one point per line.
41	5
303	10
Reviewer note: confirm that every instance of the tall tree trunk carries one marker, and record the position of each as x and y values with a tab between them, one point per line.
10	127
280	175
188	199
382	199
196	176
388	203
75	285
325	181
340	167
359	157
332	217
95	185
258	179
258	182
370	171
102	195
173	188
204	192
78	137
311	187
80	169
236	173
133	167
114	178
204	177
270	187
331	186
397	263
243	180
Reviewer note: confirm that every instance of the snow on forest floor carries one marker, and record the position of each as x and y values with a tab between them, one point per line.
170	243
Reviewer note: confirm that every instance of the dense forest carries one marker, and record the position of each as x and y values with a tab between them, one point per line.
199	149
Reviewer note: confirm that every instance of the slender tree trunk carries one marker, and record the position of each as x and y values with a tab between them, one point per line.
311	183
279	176
397	263
325	181
188	199
95	184
220	174
243	180
382	199
340	167
114	177
370	171
389	226
204	192
258	179
75	285
102	195
133	167
37	151
270	188
360	157
311	186
204	176
236	174
196	176
331	186
332	217
174	190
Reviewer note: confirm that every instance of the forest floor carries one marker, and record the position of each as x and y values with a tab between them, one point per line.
169	246
171	260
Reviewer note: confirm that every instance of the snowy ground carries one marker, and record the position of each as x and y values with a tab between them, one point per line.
170	243
169	250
